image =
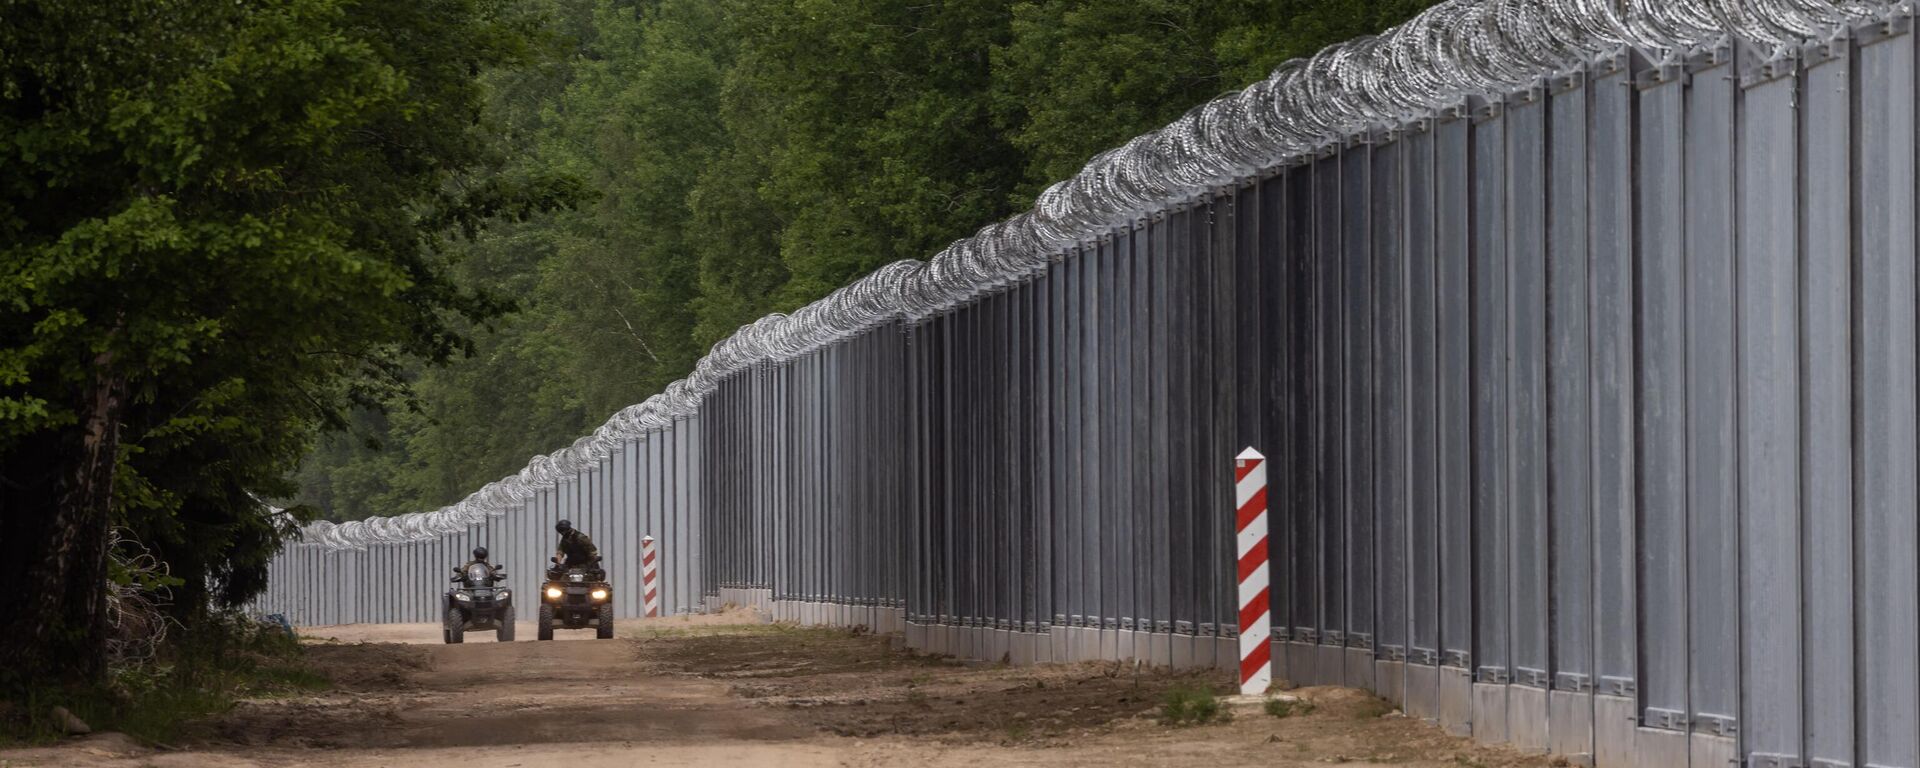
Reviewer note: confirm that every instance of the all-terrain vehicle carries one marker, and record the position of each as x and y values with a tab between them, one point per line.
576	597
477	602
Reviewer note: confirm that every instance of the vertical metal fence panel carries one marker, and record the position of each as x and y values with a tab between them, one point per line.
1143	473
1071	355
678	598
1610	281
1490	353
1661	396
1453	230
1392	502
426	565
941	493
628	506
1423	412
404	605
1357	413
1218	595
1454	396
1127	477
1159	442
1018	533
666	578
1827	365
1042	429
1303	548
1197	233
1712	502
1180	415
1528	572
1770	434
1213	408
1329	512
1274	405
691	547
1102	492
965	568
1569	409
1889	703
790	482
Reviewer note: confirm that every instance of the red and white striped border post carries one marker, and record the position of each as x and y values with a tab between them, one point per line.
649	576
1250	520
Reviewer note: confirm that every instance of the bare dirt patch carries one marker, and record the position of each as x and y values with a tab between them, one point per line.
370	666
852	684
734	691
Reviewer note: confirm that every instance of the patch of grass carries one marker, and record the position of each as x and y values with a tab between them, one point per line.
201	671
1188	704
1288	707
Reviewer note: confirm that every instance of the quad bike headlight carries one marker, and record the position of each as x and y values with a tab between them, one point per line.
553	593
505	594
462	596
599	594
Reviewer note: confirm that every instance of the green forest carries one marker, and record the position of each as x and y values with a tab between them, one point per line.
740	157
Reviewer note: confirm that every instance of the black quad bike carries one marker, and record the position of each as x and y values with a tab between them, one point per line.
477	602
576	597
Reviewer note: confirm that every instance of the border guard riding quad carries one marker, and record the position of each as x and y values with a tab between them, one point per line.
576	597
478	603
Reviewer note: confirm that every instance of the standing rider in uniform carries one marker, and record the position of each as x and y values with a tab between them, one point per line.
575	548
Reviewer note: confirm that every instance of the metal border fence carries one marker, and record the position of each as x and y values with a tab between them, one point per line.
1590	407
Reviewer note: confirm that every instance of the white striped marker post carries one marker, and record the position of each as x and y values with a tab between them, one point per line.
649	576
1250	520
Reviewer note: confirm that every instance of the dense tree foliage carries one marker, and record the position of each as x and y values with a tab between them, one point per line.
223	226
752	155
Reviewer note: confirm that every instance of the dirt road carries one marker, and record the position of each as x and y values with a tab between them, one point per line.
721	691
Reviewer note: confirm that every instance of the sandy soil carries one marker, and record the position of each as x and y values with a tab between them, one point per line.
730	690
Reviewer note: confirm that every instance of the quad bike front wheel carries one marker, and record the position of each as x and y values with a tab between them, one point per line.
505	632
456	626
544	628
605	630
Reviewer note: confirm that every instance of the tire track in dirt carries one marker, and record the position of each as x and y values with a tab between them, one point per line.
730	690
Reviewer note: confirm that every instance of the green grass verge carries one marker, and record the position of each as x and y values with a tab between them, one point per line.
1187	704
200	672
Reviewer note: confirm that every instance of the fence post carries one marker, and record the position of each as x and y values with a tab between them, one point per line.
649	576
1250	520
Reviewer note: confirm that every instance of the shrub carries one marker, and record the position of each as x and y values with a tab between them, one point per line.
1185	705
194	672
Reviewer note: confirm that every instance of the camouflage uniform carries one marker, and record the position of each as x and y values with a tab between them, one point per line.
576	549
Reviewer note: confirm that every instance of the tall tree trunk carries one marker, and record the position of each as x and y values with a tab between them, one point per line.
54	620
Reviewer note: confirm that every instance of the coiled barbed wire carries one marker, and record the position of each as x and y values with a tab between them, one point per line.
1446	53
137	619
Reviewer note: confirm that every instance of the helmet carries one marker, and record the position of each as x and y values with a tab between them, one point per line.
563	526
479	553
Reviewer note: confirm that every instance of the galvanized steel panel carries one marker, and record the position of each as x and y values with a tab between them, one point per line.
1769	354
1890	690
